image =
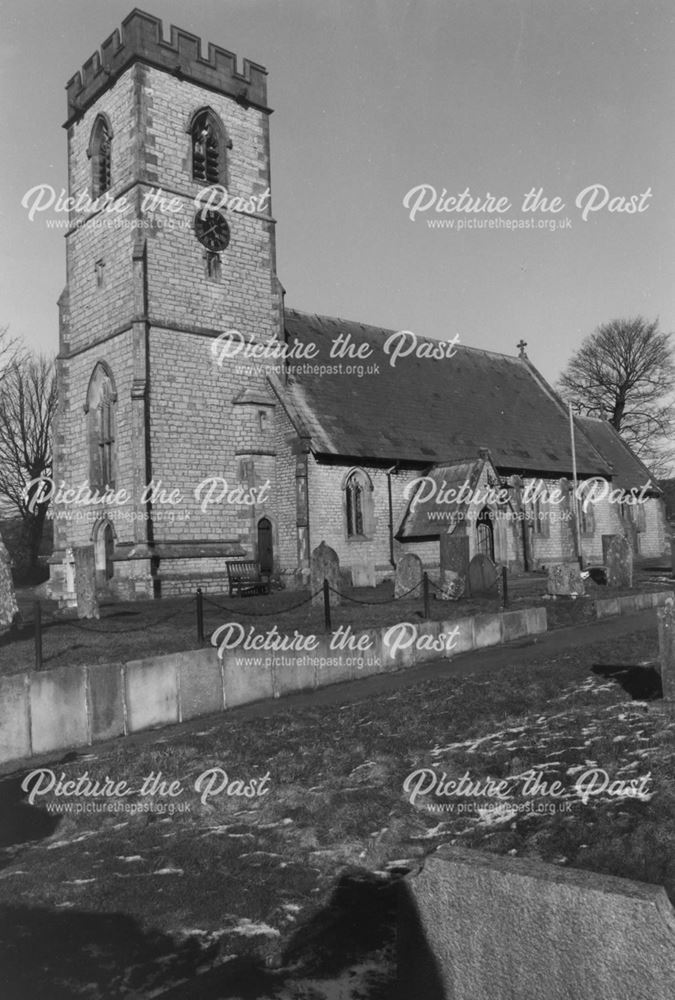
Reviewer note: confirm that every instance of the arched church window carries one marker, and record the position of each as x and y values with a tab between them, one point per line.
208	148
354	506
358	492
100	153
100	408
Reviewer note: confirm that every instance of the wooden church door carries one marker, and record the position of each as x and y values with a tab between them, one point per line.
109	543
265	551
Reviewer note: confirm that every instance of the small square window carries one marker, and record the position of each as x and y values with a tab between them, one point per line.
263	421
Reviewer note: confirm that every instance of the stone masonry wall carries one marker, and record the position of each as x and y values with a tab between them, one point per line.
195	428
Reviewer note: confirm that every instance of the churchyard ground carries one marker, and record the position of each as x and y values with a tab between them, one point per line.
289	893
133	630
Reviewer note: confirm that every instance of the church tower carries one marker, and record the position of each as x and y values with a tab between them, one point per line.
170	245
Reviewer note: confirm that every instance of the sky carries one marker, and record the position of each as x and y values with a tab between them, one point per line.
375	98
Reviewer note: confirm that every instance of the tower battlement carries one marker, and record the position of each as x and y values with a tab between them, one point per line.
141	39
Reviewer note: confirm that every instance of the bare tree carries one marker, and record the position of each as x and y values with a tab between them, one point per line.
27	407
625	372
8	350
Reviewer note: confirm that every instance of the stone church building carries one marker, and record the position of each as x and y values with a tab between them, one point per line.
200	420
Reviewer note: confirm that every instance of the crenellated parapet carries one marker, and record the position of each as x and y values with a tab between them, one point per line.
141	39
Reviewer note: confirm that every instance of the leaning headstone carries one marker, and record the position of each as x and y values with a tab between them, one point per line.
9	609
454	561
325	565
617	555
408	575
85	582
482	575
564	579
607	938
666	617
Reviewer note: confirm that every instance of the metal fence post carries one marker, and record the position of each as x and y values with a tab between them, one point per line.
200	615
505	588
326	606
37	618
425	594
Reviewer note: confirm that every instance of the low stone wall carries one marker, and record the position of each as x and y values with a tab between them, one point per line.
477	925
68	707
609	606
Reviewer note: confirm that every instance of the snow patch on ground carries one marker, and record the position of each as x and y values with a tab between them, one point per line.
248	928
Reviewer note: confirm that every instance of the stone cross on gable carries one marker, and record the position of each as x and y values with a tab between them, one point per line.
521	345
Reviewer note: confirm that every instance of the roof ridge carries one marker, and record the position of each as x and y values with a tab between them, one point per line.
387	330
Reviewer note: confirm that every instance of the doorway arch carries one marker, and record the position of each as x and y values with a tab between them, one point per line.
485	535
104	550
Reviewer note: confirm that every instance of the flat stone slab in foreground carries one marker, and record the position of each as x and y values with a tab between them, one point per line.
478	926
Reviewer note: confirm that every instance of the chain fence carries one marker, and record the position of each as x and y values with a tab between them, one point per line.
44	621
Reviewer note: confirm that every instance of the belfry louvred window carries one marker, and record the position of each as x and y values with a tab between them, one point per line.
100	151
205	150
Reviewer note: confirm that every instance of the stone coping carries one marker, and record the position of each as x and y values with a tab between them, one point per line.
67	707
629	604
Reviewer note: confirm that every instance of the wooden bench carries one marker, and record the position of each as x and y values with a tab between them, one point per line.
245	578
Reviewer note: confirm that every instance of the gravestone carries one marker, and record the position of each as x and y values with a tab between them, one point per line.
564	579
363	575
9	609
454	561
325	565
666	624
408	575
66	596
566	515
453	586
85	582
482	575
617	555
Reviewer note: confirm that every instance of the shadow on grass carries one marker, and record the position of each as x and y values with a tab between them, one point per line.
19	821
367	919
641	683
66	954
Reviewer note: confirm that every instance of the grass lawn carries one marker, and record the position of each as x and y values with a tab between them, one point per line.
132	630
284	893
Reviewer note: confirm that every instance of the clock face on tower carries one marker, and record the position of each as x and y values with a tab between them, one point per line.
212	230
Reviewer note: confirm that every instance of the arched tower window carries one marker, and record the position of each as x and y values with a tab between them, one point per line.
100	409
209	145
100	153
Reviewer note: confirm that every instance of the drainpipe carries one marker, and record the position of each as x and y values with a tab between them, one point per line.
391	515
577	519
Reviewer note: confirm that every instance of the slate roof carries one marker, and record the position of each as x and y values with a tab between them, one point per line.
628	472
668	488
417	522
433	411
